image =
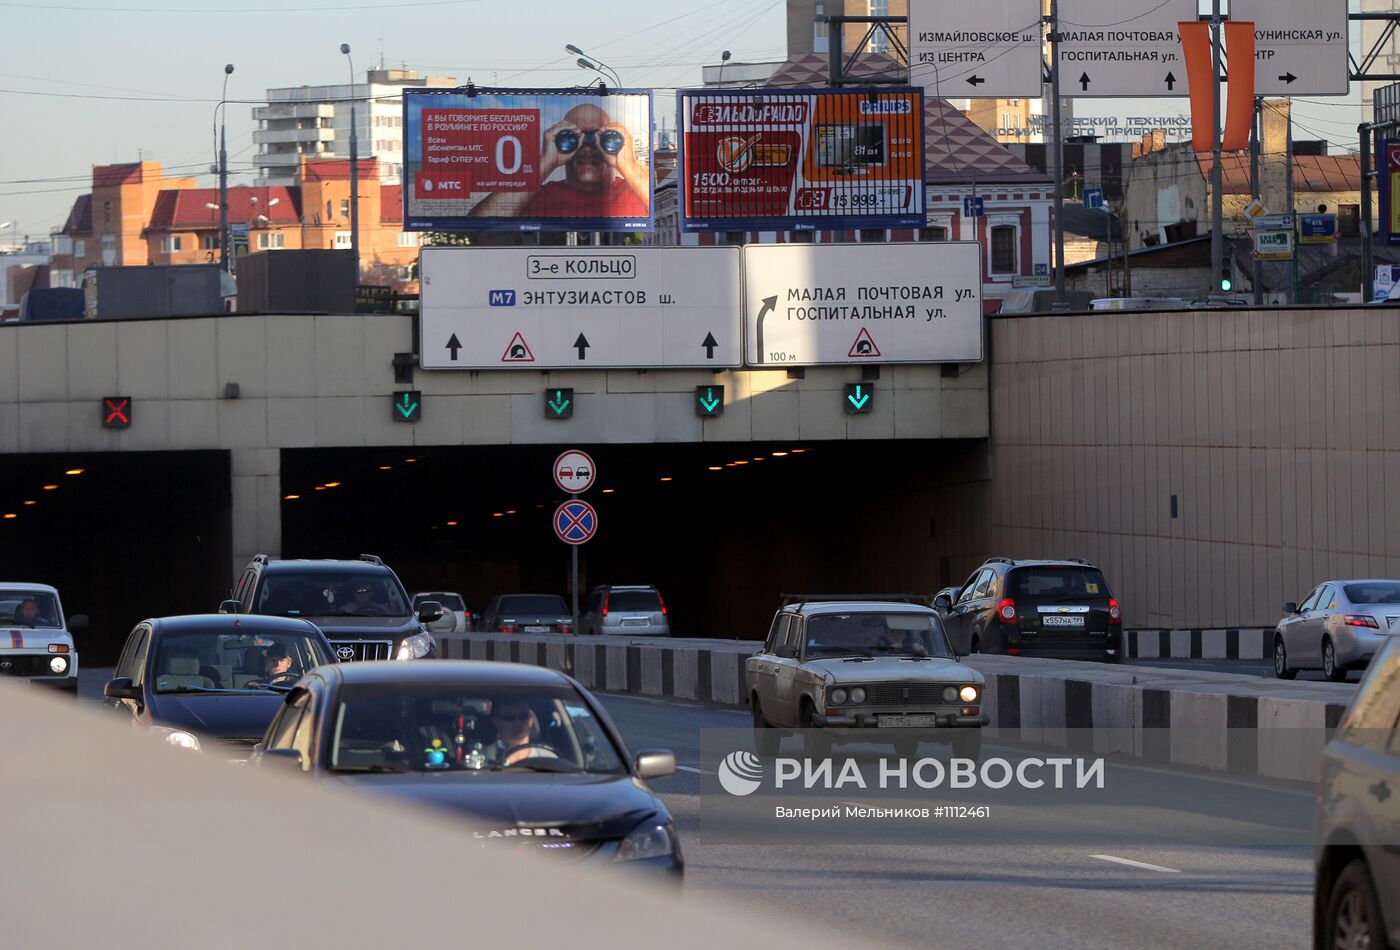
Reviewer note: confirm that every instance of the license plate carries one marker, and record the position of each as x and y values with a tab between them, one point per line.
635	623
1066	620
907	722
536	628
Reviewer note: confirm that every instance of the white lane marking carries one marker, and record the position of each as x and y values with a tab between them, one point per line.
1135	864
691	768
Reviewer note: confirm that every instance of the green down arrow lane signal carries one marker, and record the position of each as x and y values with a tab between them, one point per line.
709	401
860	398
408	406
559	403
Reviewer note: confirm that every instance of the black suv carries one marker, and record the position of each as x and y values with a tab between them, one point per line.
360	605
1035	608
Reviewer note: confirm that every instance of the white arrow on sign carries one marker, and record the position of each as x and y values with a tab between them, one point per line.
1300	46
989	48
1119	48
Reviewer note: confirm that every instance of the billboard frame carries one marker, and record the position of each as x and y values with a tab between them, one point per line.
710	225
521	224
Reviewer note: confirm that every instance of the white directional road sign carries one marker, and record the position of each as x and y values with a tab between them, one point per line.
579	308
986	48
1122	47
811	304
1300	46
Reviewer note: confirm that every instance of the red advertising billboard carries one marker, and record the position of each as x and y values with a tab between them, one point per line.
527	160
801	159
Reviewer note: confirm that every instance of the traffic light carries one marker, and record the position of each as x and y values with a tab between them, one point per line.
558	403
860	399
408	406
1227	271
709	401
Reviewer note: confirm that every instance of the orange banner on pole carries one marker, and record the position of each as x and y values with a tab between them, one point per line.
1239	102
1195	43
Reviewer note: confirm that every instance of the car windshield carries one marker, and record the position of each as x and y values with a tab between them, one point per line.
1373	592
1057	583
448	601
643	600
534	604
876	634
218	660
331	594
448	727
29	608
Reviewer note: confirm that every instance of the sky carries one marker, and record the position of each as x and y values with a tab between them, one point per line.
88	82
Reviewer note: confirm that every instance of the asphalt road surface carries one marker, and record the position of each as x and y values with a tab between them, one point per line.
1042	888
1261	668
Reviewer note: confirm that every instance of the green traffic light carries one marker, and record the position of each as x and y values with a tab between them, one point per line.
1226	283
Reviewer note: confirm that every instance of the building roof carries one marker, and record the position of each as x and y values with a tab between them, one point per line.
1311	173
1090	222
80	217
188	208
1192	252
337	169
957	150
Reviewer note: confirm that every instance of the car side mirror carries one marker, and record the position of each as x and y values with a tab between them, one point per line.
1290	608
429	611
77	622
231	607
283	760
943	602
655	763
121	688
785	651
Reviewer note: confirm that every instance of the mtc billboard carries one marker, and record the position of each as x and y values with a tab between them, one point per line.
527	160
808	159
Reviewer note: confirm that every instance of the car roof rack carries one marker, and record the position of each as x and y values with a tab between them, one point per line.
372	558
260	558
790	600
999	560
1079	560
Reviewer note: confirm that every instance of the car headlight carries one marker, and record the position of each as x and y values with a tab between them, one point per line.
649	841
838	697
968	694
414	648
59	664
179	738
950	694
857	695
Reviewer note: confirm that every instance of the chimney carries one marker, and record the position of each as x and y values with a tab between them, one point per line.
1273	146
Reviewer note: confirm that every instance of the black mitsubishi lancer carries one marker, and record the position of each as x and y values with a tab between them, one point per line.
524	752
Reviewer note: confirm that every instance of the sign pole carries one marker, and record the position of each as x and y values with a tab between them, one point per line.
1058	148
1258	278
1368	263
1217	184
573	586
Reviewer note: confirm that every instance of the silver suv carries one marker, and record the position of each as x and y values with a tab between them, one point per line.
625	611
1356	894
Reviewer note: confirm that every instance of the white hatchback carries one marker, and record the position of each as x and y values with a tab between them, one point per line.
36	643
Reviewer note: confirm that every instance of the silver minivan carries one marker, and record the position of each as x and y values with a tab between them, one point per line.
625	611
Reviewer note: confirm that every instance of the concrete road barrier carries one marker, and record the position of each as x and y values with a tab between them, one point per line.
1228	643
1272	728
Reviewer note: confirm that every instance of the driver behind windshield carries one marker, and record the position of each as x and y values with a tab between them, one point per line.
363	601
278	665
517	732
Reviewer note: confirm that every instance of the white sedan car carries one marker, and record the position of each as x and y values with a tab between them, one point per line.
35	642
863	671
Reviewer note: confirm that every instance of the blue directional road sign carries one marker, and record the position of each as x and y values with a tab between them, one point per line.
1093	198
575	522
974	207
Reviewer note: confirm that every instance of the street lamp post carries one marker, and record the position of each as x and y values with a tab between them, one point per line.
594	63
224	250
354	171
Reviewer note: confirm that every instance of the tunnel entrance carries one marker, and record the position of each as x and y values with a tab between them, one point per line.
722	529
123	536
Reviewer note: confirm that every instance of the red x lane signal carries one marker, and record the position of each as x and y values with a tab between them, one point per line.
116	412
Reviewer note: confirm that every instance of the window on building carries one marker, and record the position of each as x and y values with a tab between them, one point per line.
209	242
819	34
271	240
80	248
936	233
345	207
1003	249
330	210
410	239
107	212
171	243
1349	220
62	244
879	39
342	240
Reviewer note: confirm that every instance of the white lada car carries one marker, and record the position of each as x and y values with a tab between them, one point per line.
36	643
863	671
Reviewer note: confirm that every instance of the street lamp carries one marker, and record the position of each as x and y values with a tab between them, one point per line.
354	171
723	58
220	113
585	61
3	226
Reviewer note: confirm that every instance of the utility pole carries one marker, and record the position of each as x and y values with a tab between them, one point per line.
1217	185
1368	265
1258	277
1058	149
354	172
225	248
1288	190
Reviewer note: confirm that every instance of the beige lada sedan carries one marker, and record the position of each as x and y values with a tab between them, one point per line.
863	671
